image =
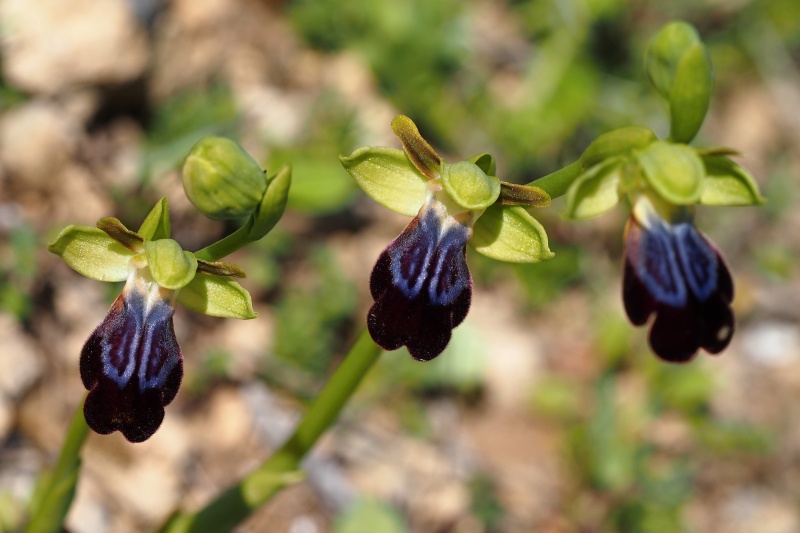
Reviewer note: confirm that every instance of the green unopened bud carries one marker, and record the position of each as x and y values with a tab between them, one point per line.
469	186
679	66
222	180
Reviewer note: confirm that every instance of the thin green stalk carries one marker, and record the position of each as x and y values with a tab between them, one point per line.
281	469
557	183
56	489
226	246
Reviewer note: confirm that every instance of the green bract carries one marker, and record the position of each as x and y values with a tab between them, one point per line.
272	205
674	171
679	66
112	252
402	180
222	180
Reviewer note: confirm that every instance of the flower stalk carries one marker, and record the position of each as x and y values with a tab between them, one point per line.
56	489
281	469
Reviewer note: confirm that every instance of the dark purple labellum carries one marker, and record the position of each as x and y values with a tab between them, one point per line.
132	366
421	286
674	272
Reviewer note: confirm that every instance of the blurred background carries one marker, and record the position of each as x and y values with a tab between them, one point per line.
547	412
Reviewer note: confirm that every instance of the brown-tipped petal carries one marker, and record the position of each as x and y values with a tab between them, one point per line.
220	269
117	231
530	195
421	154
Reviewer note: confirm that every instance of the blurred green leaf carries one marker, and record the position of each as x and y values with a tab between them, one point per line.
370	516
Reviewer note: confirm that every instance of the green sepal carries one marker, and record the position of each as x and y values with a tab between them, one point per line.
217	296
117	231
679	65
510	234
595	191
616	142
92	253
674	171
485	162
273	203
170	266
387	176
421	154
727	183
222	180
216	268
528	195
469	186
156	224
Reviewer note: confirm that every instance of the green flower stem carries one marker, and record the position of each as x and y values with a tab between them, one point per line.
227	245
56	489
281	469
557	183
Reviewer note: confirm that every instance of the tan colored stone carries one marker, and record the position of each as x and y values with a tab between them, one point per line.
51	45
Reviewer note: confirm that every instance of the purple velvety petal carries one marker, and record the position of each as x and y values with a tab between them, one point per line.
677	274
421	286
132	366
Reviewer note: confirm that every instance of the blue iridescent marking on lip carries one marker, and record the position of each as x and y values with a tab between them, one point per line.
450	274
698	260
132	345
156	361
657	266
431	254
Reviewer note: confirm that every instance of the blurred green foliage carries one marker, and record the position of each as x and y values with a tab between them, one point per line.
177	124
319	183
18	269
370	516
312	314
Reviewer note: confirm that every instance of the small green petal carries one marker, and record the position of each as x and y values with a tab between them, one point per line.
717	150
674	171
529	195
510	234
421	154
388	177
92	253
485	162
595	191
469	186
117	231
220	269
217	296
616	142
171	267
727	183
156	224
273	203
